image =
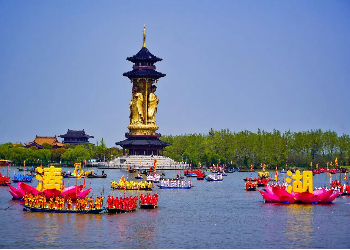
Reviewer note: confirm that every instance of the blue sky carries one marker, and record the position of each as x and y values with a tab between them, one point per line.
240	65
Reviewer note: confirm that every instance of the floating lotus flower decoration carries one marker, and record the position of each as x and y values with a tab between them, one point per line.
280	195
74	192
51	185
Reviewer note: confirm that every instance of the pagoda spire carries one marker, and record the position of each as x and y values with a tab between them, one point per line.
144	36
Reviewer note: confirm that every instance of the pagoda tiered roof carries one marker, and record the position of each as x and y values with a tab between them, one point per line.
142	141
75	137
76	134
143	73
144	65
40	140
144	55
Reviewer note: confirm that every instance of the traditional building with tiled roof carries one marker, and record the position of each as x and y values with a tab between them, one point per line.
40	140
75	137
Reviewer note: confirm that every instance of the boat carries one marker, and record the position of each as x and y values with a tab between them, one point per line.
22	178
153	178
71	176
148	201
97	176
139	177
165	187
4	180
118	210
174	184
250	186
121	205
212	177
47	210
193	173
148	206
131	185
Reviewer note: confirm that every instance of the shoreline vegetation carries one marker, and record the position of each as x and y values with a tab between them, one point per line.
288	150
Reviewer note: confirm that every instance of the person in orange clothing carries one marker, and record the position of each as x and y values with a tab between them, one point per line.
57	201
26	201
62	203
97	203
69	203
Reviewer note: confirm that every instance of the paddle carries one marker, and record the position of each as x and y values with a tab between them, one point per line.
10	206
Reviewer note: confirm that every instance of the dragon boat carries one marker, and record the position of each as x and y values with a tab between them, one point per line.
250	186
165	187
148	202
22	178
131	185
119	210
121	205
47	210
174	184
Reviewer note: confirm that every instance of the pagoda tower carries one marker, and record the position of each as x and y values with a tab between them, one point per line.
142	138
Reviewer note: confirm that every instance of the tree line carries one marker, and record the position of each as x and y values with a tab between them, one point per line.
245	148
68	154
236	149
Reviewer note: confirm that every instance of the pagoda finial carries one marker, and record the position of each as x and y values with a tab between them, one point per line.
144	36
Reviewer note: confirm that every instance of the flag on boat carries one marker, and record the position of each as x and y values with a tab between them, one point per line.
127	167
345	176
84	183
155	163
122	179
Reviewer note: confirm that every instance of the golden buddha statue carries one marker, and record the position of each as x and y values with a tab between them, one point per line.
136	106
152	105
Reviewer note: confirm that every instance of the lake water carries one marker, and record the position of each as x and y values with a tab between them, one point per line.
210	215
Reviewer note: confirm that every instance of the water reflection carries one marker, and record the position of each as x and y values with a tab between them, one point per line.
299	227
139	228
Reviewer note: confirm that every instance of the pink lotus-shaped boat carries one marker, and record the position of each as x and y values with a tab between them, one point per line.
74	192
280	195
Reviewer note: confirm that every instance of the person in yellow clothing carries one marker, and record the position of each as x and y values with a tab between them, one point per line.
61	202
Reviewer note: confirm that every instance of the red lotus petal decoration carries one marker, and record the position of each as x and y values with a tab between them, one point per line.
280	195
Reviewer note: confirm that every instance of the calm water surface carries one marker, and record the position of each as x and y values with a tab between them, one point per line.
210	215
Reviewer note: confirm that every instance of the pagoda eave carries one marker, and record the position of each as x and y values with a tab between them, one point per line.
144	74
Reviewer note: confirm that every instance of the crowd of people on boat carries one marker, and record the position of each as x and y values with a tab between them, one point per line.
174	183
23	178
149	199
60	203
125	204
342	188
4	180
153	178
250	185
131	185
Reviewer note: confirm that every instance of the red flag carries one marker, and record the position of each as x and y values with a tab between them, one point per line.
84	183
155	163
